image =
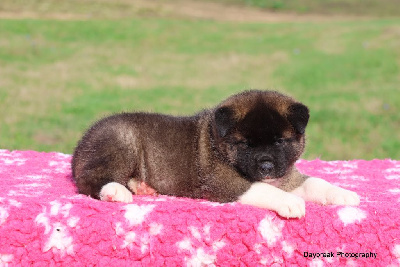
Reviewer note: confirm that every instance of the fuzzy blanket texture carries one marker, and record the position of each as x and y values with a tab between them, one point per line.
45	222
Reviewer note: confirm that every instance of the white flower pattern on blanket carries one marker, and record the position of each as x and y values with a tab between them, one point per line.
44	221
57	222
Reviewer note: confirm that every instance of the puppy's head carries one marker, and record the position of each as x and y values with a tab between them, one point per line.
260	133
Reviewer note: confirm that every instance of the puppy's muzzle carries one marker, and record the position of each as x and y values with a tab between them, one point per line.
266	167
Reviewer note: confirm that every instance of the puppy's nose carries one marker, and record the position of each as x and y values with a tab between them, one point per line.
266	167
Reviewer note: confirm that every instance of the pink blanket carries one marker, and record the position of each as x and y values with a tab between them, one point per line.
44	222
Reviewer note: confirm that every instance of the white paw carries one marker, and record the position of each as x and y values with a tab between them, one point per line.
115	192
340	196
291	206
320	191
266	196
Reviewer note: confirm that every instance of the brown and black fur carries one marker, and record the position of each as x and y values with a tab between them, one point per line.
216	154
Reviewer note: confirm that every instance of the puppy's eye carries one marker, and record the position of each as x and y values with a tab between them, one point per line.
242	143
279	141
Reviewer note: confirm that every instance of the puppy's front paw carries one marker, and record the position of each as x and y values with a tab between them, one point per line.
322	192
264	195
115	192
340	196
291	206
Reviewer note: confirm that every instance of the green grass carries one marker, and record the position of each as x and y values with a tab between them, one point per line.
57	77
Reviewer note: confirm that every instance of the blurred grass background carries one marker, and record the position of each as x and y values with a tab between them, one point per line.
65	64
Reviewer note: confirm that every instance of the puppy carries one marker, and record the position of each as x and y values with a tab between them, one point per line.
242	150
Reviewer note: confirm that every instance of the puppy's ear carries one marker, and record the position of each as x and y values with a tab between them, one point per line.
224	120
298	116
